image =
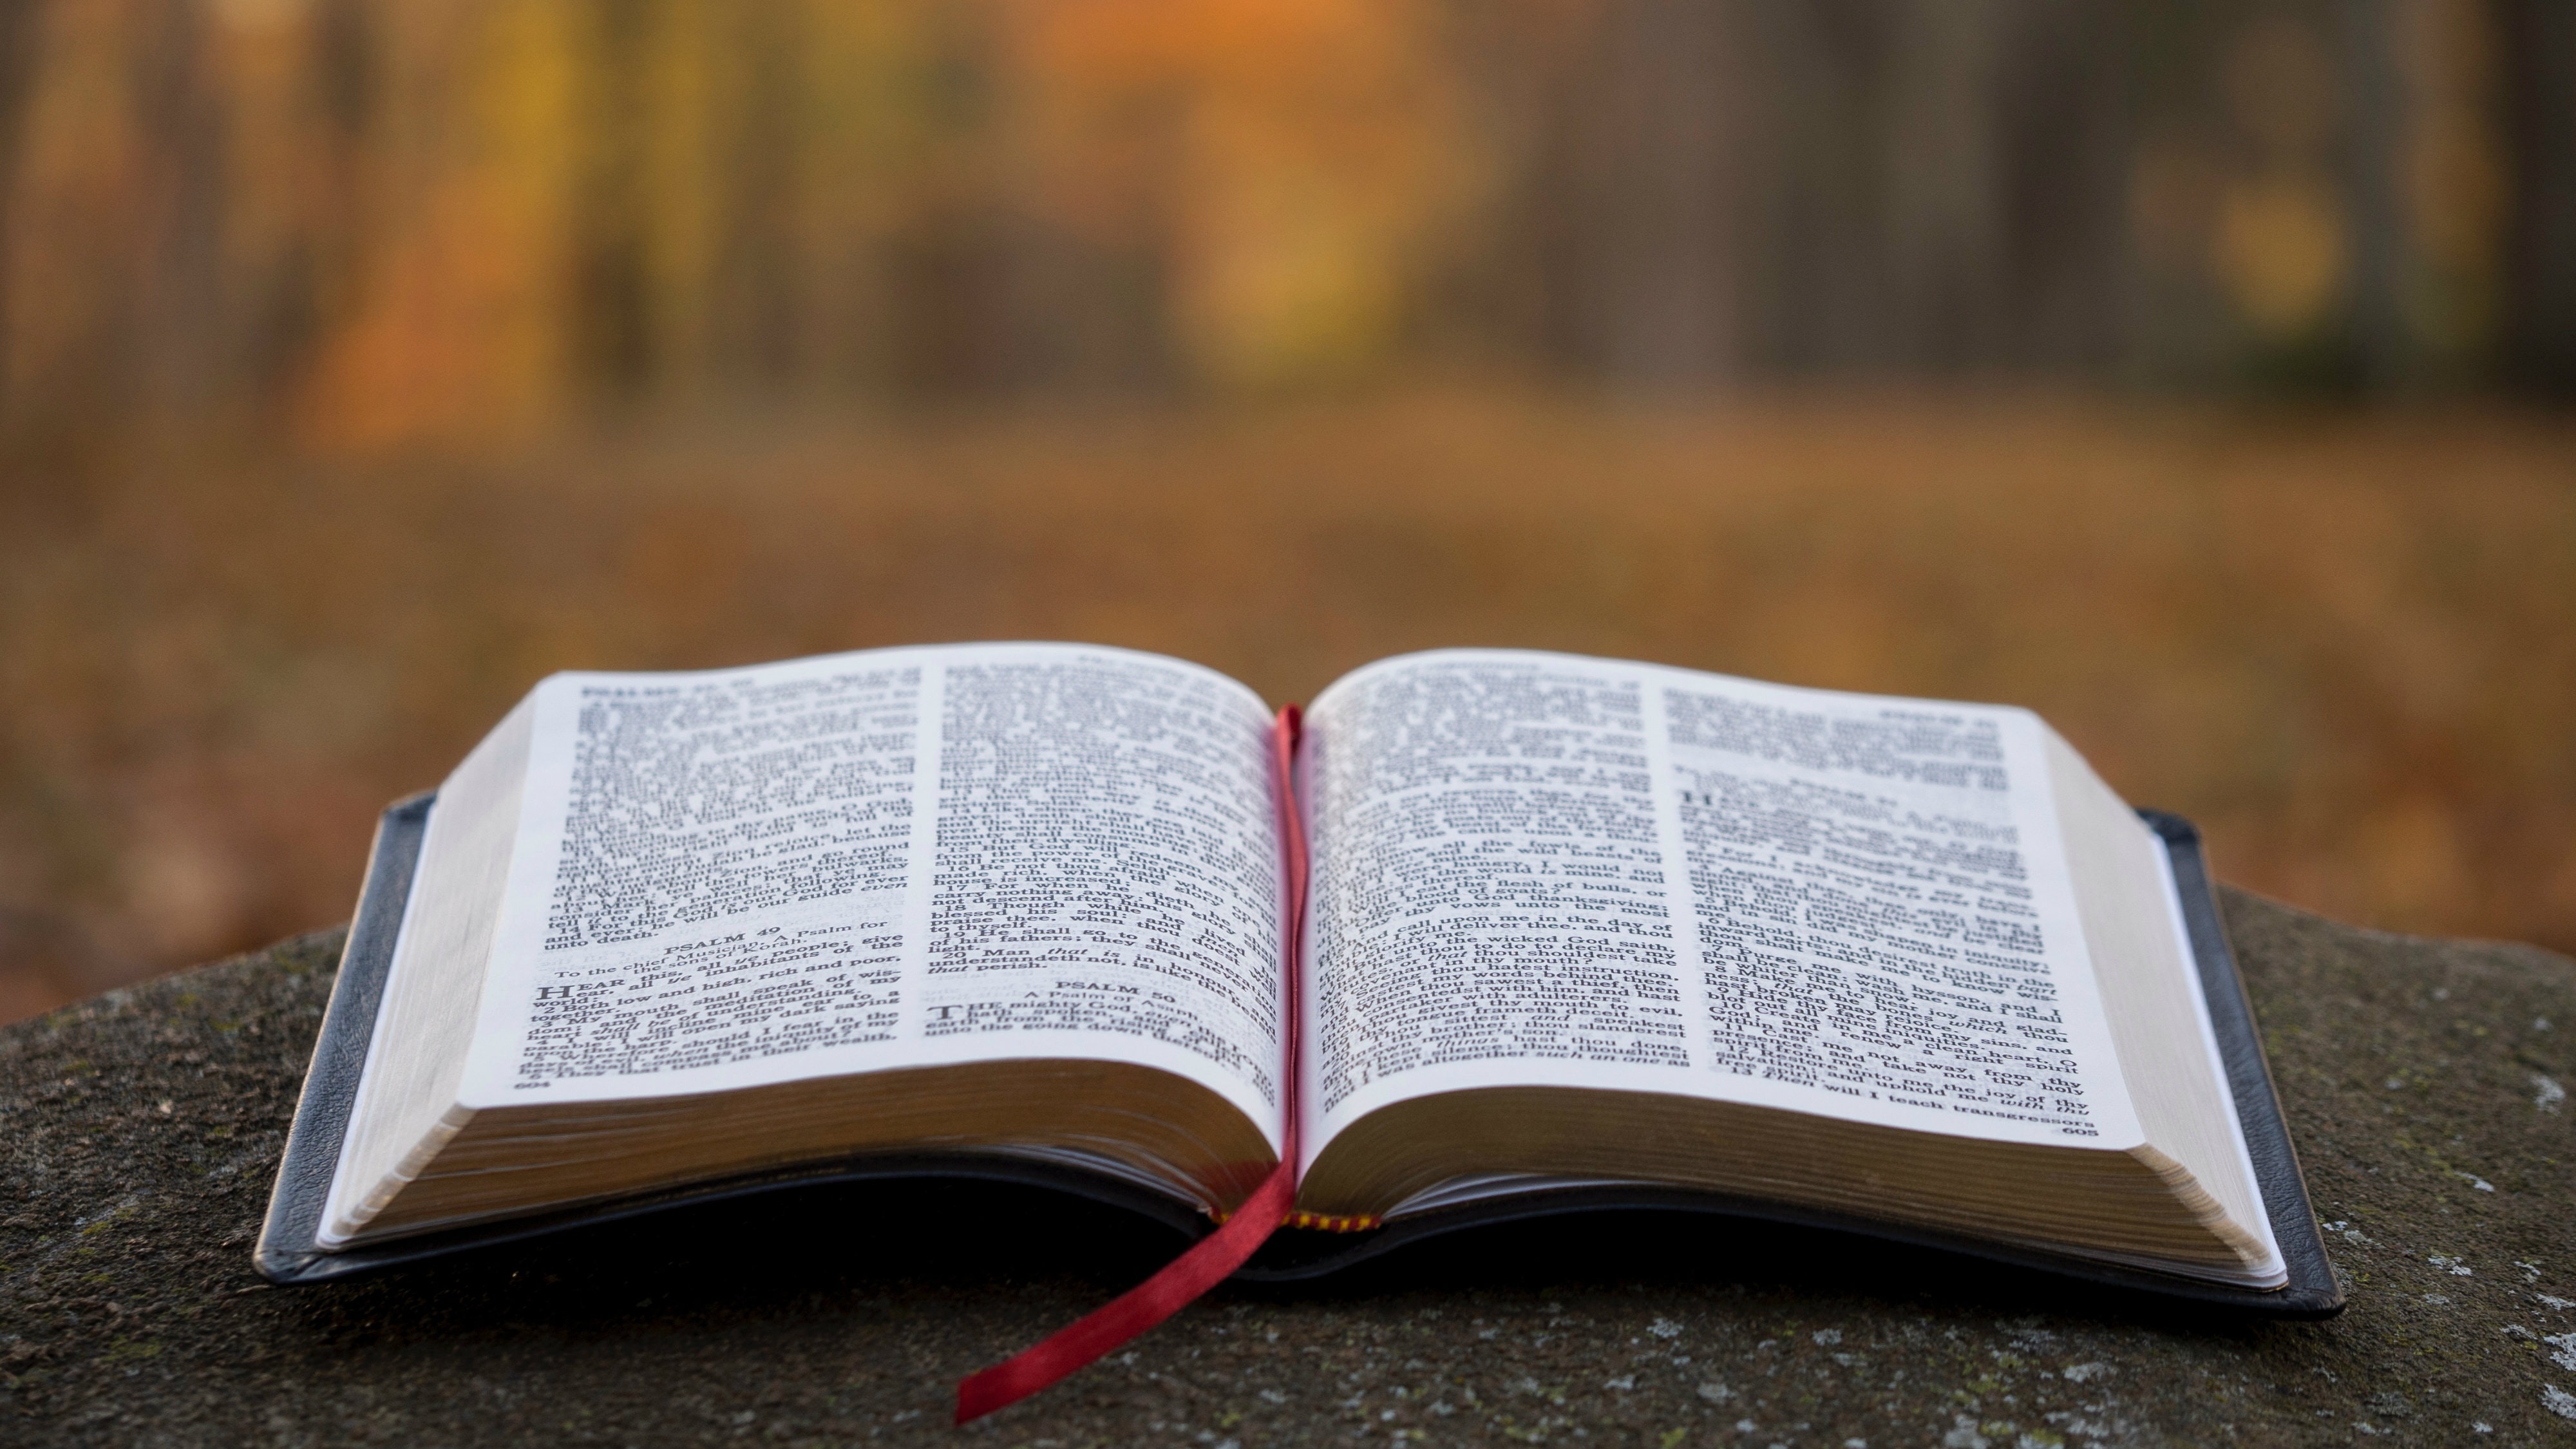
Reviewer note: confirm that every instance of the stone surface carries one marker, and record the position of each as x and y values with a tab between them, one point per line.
2424	1081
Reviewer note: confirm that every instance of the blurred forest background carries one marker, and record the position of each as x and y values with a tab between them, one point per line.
2195	373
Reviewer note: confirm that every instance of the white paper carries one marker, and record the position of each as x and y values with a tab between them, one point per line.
894	858
1538	869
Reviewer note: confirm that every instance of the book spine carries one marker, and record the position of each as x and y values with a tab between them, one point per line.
1325	1222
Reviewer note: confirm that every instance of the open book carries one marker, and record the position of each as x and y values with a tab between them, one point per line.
1574	930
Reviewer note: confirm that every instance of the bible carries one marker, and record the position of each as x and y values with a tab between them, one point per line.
1482	934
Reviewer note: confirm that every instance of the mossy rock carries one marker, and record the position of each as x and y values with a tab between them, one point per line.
2424	1081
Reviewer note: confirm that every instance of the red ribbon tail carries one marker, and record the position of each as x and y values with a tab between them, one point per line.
1078	1345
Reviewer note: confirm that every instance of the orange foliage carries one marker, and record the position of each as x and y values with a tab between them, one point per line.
1294	153
2347	646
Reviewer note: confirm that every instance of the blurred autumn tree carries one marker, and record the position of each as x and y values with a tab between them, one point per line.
350	220
363	360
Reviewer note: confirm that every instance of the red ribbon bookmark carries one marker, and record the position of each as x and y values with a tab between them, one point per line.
1213	1258
1206	1264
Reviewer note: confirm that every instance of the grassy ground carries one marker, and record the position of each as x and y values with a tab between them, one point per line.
2346	643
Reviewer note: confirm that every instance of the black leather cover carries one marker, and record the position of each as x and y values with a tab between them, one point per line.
288	1254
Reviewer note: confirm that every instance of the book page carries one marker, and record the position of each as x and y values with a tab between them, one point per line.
1536	869
896	858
